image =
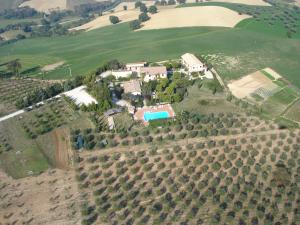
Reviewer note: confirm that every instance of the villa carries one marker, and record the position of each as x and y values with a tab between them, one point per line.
192	63
135	67
153	73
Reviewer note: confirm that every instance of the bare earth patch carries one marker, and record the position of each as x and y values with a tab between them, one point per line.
51	67
273	73
103	21
51	198
194	17
256	83
246	2
46	5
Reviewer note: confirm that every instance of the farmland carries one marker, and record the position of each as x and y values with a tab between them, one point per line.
13	90
28	142
242	178
251	46
230	154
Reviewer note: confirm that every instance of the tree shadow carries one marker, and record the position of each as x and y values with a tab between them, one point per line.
30	70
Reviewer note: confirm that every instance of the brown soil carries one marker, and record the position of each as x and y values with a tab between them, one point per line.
51	198
63	152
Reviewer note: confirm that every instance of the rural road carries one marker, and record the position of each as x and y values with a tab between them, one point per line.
11	115
75	94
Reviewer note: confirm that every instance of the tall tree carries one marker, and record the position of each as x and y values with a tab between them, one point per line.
14	66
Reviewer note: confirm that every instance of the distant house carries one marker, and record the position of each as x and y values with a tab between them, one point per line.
153	73
192	63
135	67
121	73
132	87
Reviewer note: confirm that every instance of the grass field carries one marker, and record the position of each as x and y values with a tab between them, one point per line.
294	112
25	157
241	50
5	22
277	103
203	101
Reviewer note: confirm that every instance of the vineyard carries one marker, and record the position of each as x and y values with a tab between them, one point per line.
12	90
247	175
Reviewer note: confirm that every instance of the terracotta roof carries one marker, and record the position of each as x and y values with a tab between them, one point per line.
132	86
154	70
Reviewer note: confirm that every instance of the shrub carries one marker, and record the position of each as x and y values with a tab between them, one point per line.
152	9
114	19
143	17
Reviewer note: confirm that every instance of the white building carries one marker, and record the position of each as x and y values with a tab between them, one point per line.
135	67
192	63
121	73
153	73
81	96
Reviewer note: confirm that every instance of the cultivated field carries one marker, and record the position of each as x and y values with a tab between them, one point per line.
51	198
255	43
102	21
124	15
46	5
255	83
246	2
293	112
193	17
280	101
241	178
12	90
39	139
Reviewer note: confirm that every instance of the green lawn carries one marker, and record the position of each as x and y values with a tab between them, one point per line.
241	50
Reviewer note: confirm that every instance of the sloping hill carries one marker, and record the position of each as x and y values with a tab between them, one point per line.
9	4
45	5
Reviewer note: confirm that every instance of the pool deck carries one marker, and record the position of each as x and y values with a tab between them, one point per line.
139	115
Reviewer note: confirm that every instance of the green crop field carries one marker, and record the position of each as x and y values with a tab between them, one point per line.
242	50
277	103
293	112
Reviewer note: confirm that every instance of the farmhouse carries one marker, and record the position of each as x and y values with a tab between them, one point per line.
153	73
192	63
135	67
132	87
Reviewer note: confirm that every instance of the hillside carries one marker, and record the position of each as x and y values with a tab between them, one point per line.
9	4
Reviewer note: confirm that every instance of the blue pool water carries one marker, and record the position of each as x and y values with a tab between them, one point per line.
156	115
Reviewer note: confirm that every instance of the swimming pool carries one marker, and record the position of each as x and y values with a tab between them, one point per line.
156	115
